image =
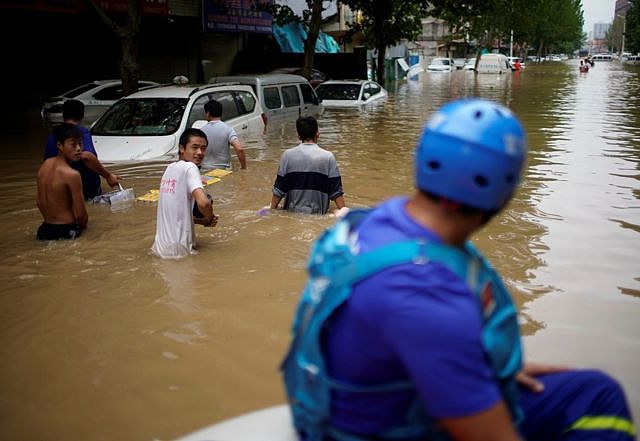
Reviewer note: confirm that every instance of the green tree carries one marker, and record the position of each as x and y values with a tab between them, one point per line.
384	23
128	32
632	28
552	25
543	24
614	34
311	19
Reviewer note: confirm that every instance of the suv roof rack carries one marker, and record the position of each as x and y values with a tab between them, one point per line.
214	85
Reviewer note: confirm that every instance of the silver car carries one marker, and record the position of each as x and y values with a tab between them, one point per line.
97	97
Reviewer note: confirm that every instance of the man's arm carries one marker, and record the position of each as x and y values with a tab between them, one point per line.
92	162
205	207
77	200
493	424
339	202
275	200
237	146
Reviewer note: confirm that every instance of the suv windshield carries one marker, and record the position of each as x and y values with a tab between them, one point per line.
338	91
141	116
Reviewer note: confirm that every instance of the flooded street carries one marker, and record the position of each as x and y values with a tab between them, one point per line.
102	341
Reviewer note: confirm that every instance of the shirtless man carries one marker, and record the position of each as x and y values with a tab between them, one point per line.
59	197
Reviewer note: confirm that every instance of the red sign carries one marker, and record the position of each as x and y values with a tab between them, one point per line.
147	7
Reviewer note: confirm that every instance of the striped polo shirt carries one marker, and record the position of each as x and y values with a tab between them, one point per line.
308	178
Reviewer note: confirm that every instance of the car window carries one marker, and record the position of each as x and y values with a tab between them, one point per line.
229	106
308	95
338	91
247	101
374	88
272	98
197	110
290	96
141	116
110	93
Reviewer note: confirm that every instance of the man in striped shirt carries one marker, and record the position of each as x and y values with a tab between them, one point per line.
308	176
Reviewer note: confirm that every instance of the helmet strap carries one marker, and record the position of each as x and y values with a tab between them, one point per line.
449	205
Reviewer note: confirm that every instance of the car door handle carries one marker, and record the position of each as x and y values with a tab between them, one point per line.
244	127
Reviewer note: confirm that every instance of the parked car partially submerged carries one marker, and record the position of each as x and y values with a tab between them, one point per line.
350	93
97	97
441	64
147	125
283	97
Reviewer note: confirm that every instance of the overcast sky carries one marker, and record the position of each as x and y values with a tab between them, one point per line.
597	11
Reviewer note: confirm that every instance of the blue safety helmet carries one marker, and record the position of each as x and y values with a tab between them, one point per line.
472	152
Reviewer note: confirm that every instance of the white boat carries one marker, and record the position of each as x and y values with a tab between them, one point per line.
269	424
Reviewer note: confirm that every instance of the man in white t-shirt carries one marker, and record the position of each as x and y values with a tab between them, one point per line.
220	136
181	185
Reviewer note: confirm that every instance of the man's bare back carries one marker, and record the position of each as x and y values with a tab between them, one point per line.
59	196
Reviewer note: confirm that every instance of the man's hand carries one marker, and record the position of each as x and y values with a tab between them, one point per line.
214	221
113	180
526	377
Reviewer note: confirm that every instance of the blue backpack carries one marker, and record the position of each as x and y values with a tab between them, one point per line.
333	269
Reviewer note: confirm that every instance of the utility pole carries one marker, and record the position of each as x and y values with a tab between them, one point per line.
511	45
624	26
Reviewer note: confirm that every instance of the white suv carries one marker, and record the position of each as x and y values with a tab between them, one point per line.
146	125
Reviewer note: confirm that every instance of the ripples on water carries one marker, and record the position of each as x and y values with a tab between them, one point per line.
98	333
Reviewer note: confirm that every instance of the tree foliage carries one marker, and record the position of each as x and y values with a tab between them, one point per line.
546	25
632	28
311	19
614	35
384	23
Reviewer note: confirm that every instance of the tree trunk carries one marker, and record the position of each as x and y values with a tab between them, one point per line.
312	38
129	69
380	77
129	40
540	48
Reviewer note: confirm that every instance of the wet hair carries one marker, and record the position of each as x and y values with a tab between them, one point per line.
64	131
73	109
213	108
188	134
307	127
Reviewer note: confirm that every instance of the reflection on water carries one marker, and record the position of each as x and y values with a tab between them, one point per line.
99	333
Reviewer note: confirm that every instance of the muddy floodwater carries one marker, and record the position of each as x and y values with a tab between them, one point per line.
99	340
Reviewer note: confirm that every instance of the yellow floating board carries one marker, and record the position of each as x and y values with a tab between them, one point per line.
211	180
150	196
217	173
211	176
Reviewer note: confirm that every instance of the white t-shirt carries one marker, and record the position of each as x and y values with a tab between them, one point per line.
175	233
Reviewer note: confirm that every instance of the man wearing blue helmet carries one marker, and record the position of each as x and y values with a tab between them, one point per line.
405	332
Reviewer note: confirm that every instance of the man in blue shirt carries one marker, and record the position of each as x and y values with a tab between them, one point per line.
89	166
426	346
